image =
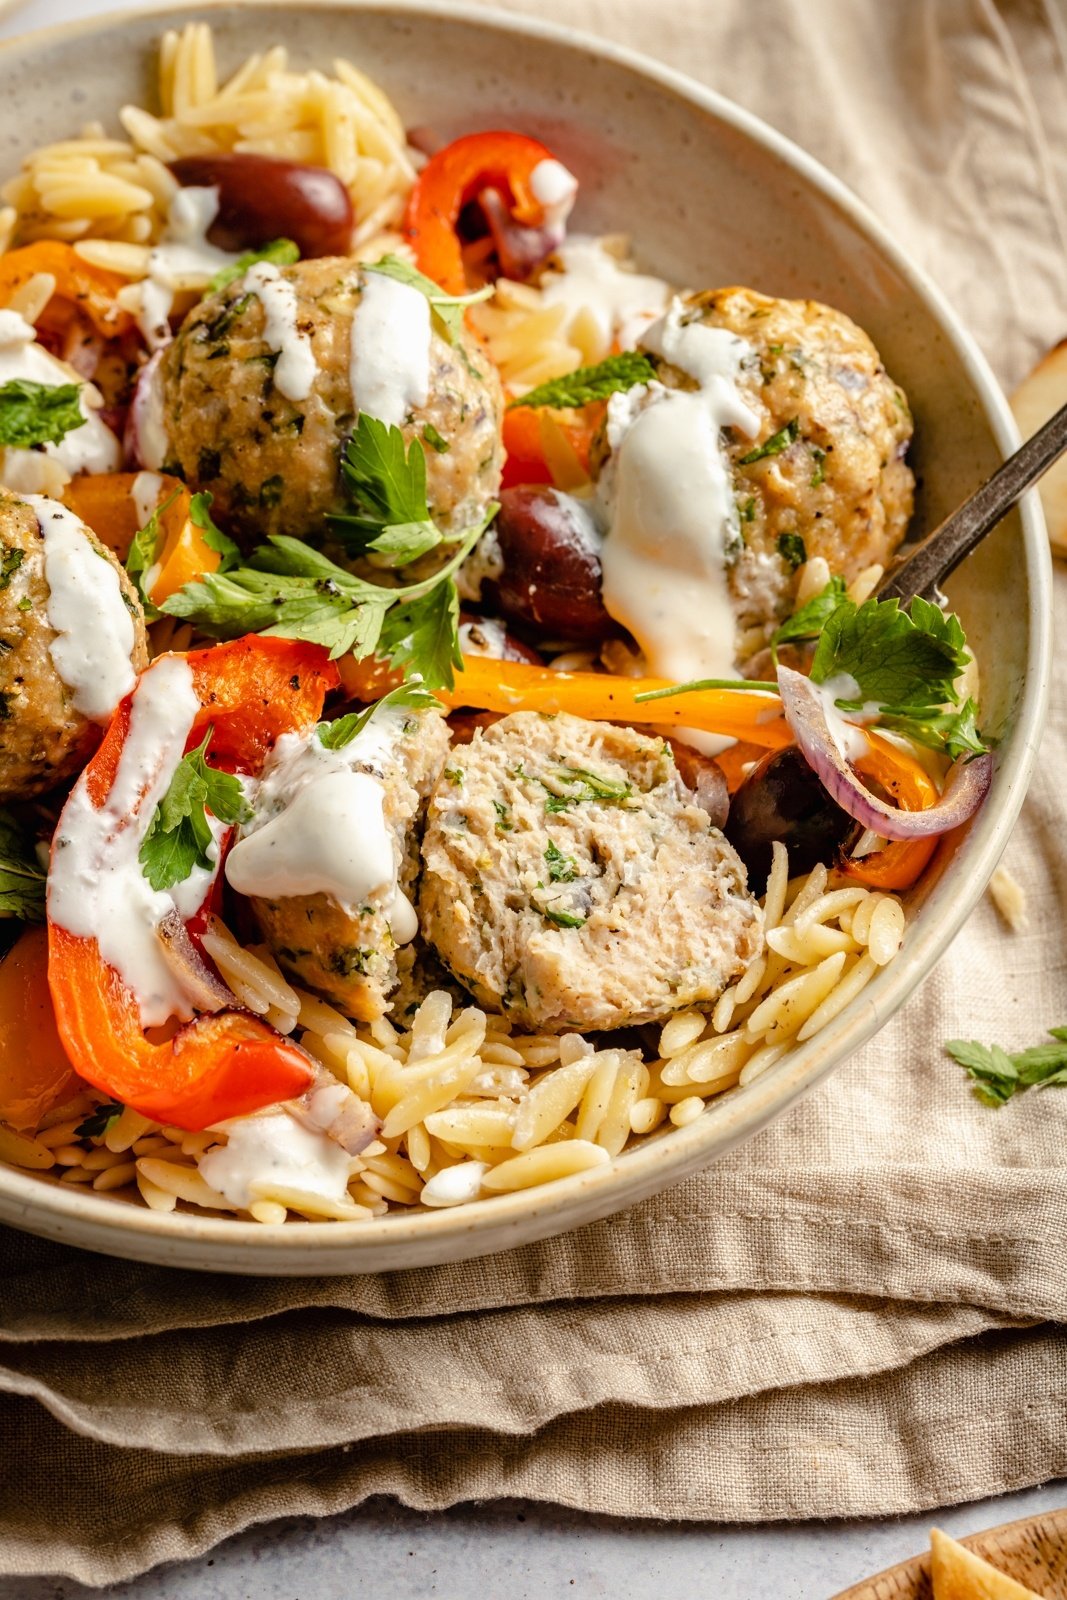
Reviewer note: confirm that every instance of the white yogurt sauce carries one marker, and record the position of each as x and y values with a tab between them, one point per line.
455	1186
296	367
320	825
93	627
389	369
845	726
613	306
146	489
555	189
96	888
183	260
91	448
271	1150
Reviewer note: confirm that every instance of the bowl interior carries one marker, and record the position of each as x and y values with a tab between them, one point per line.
709	197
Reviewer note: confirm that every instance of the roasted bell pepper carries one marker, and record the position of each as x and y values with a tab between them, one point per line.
902	861
218	1065
107	503
35	1072
453	178
80	288
544	446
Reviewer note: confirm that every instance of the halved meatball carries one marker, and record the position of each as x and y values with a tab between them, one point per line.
273	463
572	880
44	736
826	474
349	954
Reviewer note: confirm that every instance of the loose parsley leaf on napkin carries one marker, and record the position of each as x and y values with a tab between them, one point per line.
998	1075
38	413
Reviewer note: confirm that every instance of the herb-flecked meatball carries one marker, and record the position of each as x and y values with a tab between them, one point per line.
826	475
572	880
44	737
273	463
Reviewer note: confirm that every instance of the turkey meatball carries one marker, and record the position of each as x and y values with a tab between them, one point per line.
259	393
349	951
72	638
826	474
572	880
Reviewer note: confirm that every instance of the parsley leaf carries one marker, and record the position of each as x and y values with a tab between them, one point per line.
335	735
11	558
774	445
386	483
997	1075
896	658
22	879
283	252
38	413
144	553
578	388
808	622
447	308
179	837
562	919
435	440
792	548
293	592
99	1120
214	538
561	868
584	785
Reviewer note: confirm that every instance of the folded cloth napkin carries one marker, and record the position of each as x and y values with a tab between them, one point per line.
858	1312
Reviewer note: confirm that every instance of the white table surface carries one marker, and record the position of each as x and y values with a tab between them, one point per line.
533	1552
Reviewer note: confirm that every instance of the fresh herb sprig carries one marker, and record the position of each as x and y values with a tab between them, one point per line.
180	837
999	1075
385	479
22	878
612	376
146	545
341	732
281	252
447	308
33	414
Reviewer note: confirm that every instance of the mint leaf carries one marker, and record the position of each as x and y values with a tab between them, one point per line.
22	878
774	445
335	735
214	538
447	308
38	413
179	837
283	252
578	388
997	1075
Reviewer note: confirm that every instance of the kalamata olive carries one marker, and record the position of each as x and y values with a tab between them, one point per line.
487	636
783	799
551	554
706	779
262	198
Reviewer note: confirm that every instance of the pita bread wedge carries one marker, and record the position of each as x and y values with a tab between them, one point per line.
1033	402
958	1574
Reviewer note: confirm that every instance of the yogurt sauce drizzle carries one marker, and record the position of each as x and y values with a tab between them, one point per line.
320	826
389	368
96	888
604	303
296	367
94	630
183	260
272	1151
670	506
91	448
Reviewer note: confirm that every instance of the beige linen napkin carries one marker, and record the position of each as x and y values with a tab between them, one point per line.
860	1311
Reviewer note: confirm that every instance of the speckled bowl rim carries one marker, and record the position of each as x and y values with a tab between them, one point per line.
427	1238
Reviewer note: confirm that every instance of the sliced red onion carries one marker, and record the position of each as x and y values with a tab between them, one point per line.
965	789
520	250
205	989
331	1108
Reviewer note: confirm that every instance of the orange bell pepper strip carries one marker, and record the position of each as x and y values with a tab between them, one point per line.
902	861
543	446
218	1065
106	502
35	1070
488	685
455	176
79	287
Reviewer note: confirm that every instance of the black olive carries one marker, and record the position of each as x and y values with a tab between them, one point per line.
782	798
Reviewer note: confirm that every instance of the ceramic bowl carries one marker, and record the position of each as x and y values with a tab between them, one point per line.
711	196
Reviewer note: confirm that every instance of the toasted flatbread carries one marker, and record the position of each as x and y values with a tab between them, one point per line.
958	1574
1033	402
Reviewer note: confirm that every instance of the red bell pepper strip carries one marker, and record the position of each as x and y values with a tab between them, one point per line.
455	176
229	1063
